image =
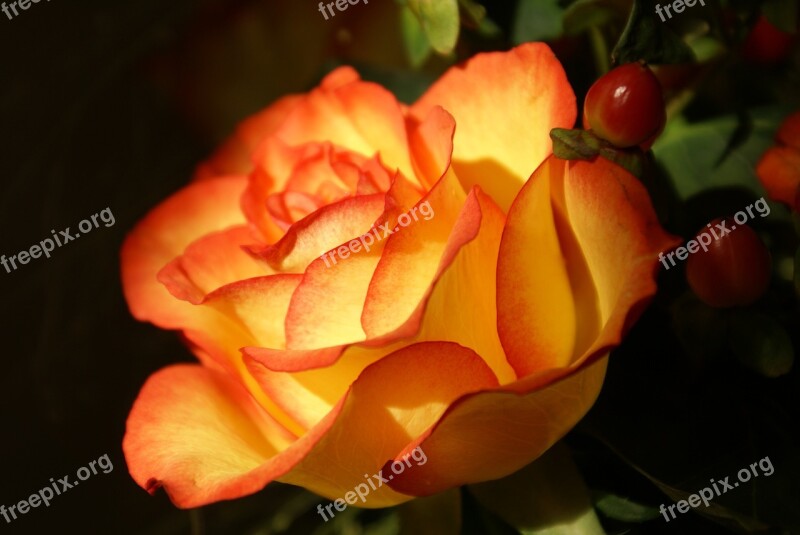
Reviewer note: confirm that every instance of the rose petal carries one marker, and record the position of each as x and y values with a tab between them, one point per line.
211	262
569	262
488	435
360	116
201	436
196	210
392	401
505	104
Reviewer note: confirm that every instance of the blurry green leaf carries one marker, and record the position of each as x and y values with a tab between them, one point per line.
474	13
547	497
585	14
761	343
537	20
727	516
474	17
707	48
620	508
691	152
785	14
649	39
440	22
418	48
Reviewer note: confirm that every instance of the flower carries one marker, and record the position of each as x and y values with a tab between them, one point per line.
480	336
779	167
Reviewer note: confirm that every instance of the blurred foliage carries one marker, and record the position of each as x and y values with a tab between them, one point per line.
708	154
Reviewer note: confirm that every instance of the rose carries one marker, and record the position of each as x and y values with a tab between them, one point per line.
779	167
479	336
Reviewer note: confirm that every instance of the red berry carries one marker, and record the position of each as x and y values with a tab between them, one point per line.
767	44
626	106
735	271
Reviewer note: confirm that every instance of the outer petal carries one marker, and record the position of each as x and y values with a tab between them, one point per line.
196	210
580	245
391	402
505	104
200	435
489	435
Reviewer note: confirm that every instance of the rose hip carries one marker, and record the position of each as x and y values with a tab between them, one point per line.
626	106
735	271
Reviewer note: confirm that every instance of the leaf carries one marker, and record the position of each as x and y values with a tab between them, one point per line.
585	14
691	152
580	144
623	509
645	37
632	160
547	497
417	46
537	20
574	144
440	22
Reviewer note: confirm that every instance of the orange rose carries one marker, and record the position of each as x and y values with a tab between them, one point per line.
480	334
779	168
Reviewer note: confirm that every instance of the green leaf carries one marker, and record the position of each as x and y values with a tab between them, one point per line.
761	343
537	20
574	144
623	509
580	144
440	22
699	156
547	497
417	46
646	37
632	160
585	14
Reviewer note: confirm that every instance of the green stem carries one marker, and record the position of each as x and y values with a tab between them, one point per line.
600	50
